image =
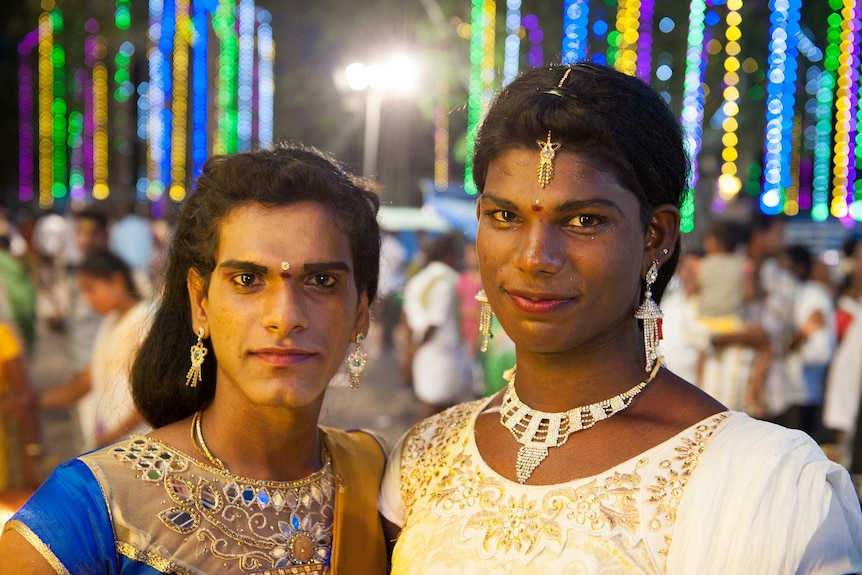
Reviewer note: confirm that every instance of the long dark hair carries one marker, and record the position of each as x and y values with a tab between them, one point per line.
285	175
614	119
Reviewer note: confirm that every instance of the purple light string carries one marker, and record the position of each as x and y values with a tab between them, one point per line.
26	140
536	57
852	126
643	67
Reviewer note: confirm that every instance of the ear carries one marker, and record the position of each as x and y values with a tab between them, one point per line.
662	234
198	300
363	317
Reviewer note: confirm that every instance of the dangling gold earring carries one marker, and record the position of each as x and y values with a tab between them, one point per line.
356	362
198	353
651	315
486	314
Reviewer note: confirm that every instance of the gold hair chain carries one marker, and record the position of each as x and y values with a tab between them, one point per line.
545	170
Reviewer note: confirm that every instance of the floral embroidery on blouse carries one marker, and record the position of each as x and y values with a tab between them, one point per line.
260	526
505	520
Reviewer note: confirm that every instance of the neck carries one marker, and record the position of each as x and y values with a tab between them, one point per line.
265	443
559	382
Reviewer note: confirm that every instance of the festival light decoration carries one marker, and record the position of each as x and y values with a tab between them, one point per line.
535	34
576	15
623	55
157	89
26	137
441	138
224	24
100	127
266	82
643	67
692	104
512	48
780	99
46	116
180	98
200	83
480	22
729	183
77	189
846	102
59	108
245	73
91	58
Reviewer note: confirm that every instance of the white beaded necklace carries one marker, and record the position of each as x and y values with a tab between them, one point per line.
537	431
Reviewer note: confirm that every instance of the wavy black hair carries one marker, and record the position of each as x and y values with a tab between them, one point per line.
282	176
615	119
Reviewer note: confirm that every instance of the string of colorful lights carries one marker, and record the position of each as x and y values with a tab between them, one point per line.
72	118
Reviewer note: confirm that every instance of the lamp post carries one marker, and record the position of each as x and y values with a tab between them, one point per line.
397	77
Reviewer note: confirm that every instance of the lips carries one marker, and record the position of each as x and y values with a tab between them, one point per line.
538	303
283	357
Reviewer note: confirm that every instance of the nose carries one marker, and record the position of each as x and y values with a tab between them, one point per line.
285	310
541	251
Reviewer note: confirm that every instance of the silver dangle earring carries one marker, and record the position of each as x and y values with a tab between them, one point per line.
651	315
198	353
356	362
486	314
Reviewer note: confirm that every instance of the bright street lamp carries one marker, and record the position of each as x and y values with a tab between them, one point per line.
397	77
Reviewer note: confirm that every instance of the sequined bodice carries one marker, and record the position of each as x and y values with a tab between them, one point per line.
195	518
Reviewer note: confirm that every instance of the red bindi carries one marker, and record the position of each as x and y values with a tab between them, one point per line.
536	208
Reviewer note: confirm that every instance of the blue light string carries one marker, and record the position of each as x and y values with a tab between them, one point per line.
575	30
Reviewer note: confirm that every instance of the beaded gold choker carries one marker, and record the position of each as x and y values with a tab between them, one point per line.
537	431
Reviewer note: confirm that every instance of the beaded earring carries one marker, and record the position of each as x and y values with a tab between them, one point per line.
356	362
198	353
651	314
486	314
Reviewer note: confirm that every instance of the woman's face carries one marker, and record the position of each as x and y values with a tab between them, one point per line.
561	265
280	332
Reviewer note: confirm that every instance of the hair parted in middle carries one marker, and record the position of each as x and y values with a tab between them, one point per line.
616	120
285	175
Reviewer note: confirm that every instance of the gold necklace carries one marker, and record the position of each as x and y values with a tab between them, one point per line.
537	431
198	440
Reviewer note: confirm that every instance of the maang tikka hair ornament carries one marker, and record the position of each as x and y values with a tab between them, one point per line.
356	362
486	314
651	315
198	353
545	171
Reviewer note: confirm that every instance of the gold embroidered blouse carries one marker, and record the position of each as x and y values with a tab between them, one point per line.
459	515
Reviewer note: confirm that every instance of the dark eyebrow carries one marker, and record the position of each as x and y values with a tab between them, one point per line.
326	267
246	266
568	206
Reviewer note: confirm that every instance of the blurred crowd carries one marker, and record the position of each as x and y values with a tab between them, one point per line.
767	328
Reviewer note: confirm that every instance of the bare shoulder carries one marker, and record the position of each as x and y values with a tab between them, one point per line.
17	555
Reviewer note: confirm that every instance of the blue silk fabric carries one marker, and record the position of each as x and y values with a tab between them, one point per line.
68	514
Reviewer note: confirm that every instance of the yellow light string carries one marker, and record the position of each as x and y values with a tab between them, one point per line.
628	26
441	138
843	114
791	194
489	9
729	182
179	107
100	131
46	114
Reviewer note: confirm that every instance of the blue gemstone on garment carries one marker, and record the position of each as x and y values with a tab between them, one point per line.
294	521
248	495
